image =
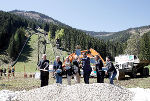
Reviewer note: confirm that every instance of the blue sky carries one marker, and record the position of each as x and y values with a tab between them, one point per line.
93	15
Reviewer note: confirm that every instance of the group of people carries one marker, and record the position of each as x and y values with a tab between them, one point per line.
73	69
3	71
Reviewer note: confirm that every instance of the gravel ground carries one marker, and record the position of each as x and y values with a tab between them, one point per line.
25	88
141	94
77	92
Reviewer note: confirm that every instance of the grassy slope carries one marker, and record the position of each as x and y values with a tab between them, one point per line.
31	62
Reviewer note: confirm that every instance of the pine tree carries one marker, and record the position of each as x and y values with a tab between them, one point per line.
46	27
145	47
11	47
53	29
16	43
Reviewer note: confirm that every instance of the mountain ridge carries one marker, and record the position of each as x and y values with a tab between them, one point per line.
37	16
113	36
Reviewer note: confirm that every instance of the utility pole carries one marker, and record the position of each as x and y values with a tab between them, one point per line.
38	46
44	43
44	50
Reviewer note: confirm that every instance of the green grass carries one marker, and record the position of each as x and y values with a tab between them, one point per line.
20	83
29	59
31	63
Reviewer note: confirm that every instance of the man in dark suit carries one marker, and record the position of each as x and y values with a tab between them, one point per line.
43	66
86	68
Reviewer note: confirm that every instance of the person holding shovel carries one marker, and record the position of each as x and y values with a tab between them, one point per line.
100	74
43	66
111	70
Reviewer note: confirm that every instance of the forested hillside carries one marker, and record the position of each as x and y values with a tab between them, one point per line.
121	36
139	46
69	31
13	33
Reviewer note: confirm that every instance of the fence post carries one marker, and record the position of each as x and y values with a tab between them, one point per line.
8	72
25	75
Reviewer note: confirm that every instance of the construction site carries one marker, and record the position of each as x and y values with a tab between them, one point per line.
24	84
74	50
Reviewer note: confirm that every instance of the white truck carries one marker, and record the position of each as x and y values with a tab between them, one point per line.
130	65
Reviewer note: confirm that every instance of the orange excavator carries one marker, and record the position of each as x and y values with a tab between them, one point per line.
91	53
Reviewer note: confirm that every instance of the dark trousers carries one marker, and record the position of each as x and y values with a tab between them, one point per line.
86	78
100	77
1	74
112	76
44	80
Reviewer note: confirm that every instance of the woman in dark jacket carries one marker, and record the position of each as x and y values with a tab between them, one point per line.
99	72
